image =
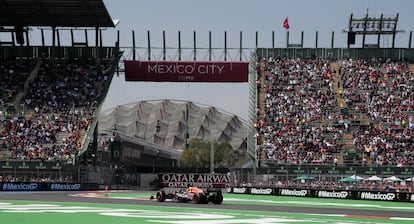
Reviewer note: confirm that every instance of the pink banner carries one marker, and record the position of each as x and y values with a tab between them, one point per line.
186	71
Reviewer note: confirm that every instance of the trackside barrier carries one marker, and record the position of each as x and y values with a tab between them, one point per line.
47	186
338	194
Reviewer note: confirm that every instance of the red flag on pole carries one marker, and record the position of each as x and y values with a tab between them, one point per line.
286	23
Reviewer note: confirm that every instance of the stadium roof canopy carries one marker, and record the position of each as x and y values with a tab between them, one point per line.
54	13
164	123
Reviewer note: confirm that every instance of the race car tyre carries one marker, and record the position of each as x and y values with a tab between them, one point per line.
161	196
200	198
217	198
204	199
196	198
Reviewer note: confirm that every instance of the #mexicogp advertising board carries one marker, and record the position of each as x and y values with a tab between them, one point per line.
319	193
47	186
186	71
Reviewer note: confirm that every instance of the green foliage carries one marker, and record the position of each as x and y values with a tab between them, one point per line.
199	152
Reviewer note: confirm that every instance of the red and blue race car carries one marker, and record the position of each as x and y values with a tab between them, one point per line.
191	195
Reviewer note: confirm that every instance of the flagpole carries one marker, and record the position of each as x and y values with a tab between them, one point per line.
287	38
286	26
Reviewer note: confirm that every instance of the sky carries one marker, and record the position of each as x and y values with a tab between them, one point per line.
232	17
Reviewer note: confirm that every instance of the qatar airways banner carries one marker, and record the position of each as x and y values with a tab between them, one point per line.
203	180
186	71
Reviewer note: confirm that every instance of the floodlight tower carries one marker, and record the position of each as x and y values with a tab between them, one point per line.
370	25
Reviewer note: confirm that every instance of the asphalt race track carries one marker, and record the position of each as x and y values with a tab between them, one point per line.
64	197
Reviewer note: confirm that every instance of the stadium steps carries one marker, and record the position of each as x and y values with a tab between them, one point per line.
337	83
5	154
365	119
19	96
82	136
411	67
349	142
348	139
261	93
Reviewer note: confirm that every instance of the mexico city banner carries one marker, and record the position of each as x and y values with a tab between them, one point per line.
186	71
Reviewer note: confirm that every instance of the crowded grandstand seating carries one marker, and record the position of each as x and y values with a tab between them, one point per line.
13	74
311	109
299	96
381	90
56	107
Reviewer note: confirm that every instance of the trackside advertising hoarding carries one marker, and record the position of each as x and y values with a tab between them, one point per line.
337	194
186	71
47	186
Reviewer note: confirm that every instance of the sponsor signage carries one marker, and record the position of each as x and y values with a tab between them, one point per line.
319	169
378	196
65	187
11	186
342	171
41	166
294	192
334	171
370	171
186	71
207	180
24	166
339	194
333	194
350	171
30	165
404	172
56	166
388	172
239	190
263	191
46	186
281	170
316	170
299	170
7	166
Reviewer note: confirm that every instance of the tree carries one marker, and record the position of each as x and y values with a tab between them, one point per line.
198	155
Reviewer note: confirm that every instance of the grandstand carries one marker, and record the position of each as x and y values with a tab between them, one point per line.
338	112
341	109
51	94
